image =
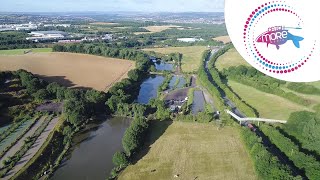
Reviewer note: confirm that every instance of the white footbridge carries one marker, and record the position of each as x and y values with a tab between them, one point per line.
254	119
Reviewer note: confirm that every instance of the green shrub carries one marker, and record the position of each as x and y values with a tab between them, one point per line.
120	159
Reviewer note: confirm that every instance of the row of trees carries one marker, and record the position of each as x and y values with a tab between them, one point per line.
132	141
78	104
251	77
304	88
123	93
301	160
217	78
204	80
305	128
101	49
267	165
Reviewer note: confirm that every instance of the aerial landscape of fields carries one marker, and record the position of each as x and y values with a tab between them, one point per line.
71	70
142	94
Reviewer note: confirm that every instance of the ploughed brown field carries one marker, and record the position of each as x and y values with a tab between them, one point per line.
71	70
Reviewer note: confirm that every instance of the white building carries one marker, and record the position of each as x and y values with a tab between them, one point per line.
46	35
189	40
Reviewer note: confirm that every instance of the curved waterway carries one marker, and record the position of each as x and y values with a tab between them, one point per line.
91	156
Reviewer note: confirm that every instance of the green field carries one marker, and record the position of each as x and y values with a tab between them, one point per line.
229	59
315	84
268	105
194	151
21	51
313	99
191	56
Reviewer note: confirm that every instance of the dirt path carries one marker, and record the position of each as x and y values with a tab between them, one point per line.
34	149
20	143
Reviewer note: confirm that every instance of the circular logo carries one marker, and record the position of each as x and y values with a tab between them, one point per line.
279	38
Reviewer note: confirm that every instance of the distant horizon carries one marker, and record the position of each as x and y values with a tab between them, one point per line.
106	12
143	6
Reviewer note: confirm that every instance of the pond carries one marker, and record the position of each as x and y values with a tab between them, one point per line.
198	102
91	155
149	89
162	66
173	81
182	82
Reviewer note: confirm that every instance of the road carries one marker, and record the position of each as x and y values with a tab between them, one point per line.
20	143
34	149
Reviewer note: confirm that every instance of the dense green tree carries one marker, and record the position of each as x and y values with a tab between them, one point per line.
41	94
119	159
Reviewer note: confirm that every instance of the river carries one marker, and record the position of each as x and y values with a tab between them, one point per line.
91	156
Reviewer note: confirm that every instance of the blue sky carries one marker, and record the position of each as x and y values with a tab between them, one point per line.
112	5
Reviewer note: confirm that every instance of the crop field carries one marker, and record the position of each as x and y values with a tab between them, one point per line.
13	136
229	59
154	29
224	39
21	51
71	70
191	58
192	151
268	105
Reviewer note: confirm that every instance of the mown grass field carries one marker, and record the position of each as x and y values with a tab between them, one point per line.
268	105
313	99
191	56
224	39
71	70
229	59
21	51
194	151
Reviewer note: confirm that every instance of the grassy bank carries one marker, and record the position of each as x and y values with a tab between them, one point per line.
192	150
268	105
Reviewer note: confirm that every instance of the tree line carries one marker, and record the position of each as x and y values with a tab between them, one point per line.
304	128
266	165
301	160
217	78
303	88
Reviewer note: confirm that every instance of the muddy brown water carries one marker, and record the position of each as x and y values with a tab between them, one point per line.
91	156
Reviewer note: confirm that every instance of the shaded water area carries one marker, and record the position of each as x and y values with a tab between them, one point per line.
173	81
149	89
182	82
162	66
198	102
91	156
